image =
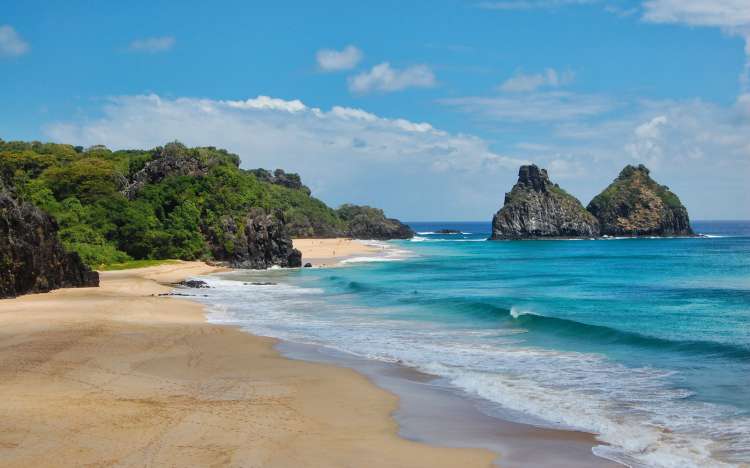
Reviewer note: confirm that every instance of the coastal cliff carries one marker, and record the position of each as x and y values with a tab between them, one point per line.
174	159
176	202
365	222
32	259
635	205
538	208
259	241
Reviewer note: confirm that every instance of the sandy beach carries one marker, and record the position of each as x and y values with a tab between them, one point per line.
116	376
331	252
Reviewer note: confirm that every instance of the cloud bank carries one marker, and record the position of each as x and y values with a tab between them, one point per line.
344	154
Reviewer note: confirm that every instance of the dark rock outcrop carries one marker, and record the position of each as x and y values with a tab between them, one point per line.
32	258
448	231
174	159
537	208
635	205
194	284
365	222
259	241
280	177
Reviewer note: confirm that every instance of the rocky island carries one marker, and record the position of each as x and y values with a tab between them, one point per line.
538	208
635	205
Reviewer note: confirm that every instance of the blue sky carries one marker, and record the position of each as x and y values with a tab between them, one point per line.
423	108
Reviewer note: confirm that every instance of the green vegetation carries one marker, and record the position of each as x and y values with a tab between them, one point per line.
626	189
133	264
114	207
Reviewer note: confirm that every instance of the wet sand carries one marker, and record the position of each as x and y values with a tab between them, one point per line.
116	376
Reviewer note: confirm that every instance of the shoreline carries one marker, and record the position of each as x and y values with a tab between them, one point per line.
424	400
339	251
117	375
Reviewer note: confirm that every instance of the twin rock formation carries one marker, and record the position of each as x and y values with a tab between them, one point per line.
633	205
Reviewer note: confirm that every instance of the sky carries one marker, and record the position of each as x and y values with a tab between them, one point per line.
425	109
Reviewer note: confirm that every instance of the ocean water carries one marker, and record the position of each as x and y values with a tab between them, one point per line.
643	342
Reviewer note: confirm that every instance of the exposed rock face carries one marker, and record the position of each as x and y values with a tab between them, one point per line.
537	208
365	222
260	241
635	205
174	159
280	177
301	226
32	259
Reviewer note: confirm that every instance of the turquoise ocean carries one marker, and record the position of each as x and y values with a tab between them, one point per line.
643	342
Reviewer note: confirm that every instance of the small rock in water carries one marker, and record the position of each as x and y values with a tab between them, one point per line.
198	284
308	265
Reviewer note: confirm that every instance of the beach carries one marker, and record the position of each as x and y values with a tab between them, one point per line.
119	376
331	252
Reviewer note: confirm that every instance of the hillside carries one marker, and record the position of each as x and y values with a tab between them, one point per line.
166	202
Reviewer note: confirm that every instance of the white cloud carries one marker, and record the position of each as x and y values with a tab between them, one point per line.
335	60
647	144
732	16
268	103
652	128
11	43
344	154
152	45
723	13
532	4
384	78
535	107
549	78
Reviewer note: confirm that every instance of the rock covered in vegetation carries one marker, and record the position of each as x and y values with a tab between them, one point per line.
537	208
32	259
280	177
165	202
175	159
365	222
635	205
259	240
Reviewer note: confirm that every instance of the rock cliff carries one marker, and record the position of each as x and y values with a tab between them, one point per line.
260	240
280	177
635	205
537	208
32	259
365	222
174	159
